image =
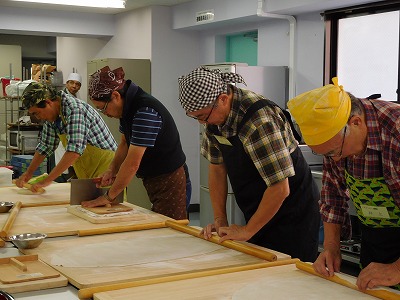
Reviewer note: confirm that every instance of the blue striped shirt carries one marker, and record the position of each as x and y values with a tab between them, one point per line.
146	125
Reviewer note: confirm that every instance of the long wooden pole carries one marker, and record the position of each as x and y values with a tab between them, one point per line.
49	203
229	244
381	294
134	227
10	220
86	293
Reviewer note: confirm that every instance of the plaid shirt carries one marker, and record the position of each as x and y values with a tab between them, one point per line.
383	144
266	138
83	125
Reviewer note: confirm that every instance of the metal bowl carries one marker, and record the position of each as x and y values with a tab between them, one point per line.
27	240
5	206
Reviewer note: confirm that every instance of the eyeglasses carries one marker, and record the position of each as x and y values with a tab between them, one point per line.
208	116
103	110
335	154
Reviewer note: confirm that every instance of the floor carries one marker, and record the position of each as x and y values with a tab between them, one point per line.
194	219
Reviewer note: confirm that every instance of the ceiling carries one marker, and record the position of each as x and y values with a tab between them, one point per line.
130	5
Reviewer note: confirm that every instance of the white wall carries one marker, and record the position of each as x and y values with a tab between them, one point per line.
174	54
74	53
176	44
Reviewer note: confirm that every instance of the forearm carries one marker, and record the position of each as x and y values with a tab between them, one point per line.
271	202
36	161
332	235
127	170
218	184
119	157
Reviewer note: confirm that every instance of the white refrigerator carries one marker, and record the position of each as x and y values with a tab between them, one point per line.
268	81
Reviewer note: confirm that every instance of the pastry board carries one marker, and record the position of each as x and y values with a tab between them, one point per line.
96	218
102	210
274	283
56	221
24	268
130	256
56	193
33	285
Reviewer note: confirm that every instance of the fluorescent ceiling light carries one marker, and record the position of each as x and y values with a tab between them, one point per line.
87	3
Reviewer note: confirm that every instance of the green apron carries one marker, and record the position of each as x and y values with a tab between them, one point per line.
93	162
380	218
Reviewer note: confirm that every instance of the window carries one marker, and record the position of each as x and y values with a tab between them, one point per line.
362	49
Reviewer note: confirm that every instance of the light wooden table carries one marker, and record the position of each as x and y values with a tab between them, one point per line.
279	282
114	248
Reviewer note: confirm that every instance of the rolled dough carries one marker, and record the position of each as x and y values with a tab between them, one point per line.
133	251
290	286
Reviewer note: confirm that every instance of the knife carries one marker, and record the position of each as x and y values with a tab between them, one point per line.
85	189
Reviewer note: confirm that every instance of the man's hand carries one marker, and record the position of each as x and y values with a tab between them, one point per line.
328	262
234	232
214	227
379	274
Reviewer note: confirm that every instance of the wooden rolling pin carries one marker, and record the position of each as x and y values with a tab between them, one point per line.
10	220
29	187
229	244
87	293
126	228
381	294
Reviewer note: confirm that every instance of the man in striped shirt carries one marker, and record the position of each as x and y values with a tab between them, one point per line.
360	139
150	146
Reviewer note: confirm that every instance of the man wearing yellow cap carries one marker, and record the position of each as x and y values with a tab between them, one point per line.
249	138
360	139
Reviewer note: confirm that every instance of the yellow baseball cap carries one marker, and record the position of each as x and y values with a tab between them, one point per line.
321	113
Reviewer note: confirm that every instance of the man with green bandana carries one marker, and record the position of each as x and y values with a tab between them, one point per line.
360	139
88	142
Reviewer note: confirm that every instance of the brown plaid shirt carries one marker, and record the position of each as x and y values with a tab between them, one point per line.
266	137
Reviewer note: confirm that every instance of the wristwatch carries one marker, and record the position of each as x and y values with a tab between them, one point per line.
108	197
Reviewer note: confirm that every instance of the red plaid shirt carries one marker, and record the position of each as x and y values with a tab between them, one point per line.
383	145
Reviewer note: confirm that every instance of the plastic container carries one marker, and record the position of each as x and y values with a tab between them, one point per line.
5	176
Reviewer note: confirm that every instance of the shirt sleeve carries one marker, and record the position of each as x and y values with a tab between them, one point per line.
267	142
334	207
146	125
209	148
77	131
48	140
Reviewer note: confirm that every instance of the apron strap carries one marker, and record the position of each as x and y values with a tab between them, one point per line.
265	102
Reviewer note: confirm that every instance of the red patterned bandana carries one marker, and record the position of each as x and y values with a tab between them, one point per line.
104	81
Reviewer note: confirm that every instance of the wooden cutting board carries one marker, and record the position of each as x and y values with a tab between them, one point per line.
102	217
34	285
56	221
274	283
119	256
102	210
24	268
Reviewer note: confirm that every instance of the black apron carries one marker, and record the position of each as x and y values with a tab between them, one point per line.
294	228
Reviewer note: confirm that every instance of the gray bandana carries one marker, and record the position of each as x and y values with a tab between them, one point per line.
202	86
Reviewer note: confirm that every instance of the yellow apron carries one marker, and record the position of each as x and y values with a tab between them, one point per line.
93	162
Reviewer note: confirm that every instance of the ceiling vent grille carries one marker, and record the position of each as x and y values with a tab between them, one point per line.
205	16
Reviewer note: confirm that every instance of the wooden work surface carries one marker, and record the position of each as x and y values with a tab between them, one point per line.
55	194
130	256
56	221
279	282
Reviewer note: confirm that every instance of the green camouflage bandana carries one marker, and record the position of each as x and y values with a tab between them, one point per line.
37	92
